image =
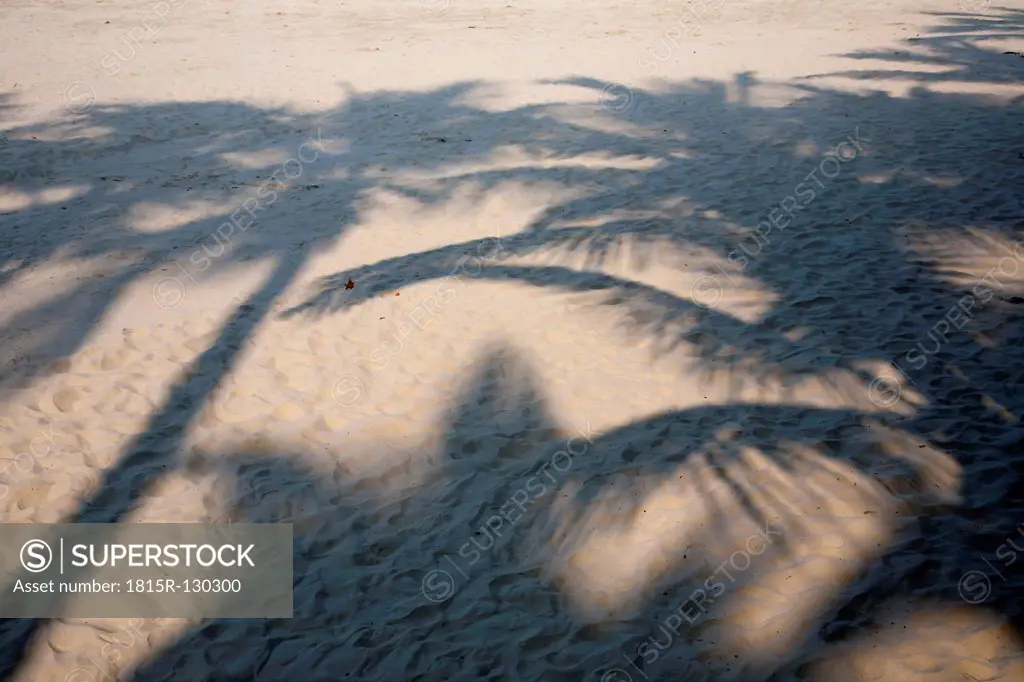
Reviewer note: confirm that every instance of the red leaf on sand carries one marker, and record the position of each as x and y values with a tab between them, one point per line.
349	284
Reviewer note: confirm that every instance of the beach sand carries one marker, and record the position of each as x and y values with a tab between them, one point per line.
725	299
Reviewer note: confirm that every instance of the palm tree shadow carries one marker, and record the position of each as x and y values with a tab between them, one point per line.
154	451
864	247
837	315
364	532
956	51
96	230
360	530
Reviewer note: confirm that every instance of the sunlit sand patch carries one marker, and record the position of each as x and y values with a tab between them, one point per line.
469	212
662	306
942	182
807	149
67	277
384	454
108	648
835	518
840	520
889	389
919	641
16	200
997	94
12	200
488	221
264	158
152	217
877	178
605	576
843	518
609	562
939	475
533	154
983	263
98	648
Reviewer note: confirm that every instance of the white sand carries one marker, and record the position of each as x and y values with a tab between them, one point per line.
581	181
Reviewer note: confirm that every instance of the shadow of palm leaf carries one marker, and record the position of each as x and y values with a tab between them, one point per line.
153	452
835	277
362	530
841	274
955	51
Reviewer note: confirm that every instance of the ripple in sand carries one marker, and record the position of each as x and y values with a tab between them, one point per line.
67	400
289	412
239	408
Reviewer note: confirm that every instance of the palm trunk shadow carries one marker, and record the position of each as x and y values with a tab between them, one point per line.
154	452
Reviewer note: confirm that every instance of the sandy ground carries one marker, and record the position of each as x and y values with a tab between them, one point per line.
725	298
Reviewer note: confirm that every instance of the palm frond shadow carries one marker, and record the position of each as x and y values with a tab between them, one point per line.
837	273
360	534
955	51
841	272
103	230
